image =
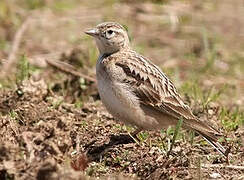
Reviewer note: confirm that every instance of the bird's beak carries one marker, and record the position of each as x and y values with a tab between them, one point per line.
92	32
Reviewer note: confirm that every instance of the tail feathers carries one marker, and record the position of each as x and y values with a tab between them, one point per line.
214	143
209	133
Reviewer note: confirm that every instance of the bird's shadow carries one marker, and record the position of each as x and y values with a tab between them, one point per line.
95	152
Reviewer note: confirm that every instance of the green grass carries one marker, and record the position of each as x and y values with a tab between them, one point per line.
231	119
13	115
63	5
198	94
176	132
55	102
34	4
79	104
143	137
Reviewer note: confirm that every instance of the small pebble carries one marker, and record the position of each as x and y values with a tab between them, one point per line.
215	175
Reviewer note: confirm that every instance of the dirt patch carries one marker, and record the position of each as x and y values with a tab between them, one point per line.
43	140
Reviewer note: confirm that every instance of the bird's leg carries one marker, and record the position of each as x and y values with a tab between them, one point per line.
133	135
137	131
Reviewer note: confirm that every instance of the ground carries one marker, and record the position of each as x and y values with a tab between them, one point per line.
52	122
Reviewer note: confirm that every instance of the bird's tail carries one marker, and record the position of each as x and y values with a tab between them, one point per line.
209	133
212	139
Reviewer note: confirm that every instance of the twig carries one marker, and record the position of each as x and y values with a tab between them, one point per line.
67	68
222	166
15	47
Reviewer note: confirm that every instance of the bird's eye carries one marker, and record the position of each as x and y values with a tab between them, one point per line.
109	33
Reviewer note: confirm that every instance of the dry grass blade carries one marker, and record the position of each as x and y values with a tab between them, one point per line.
15	47
67	68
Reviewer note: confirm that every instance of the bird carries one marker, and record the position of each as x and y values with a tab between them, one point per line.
136	91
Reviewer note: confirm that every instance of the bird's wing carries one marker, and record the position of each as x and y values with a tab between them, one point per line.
152	86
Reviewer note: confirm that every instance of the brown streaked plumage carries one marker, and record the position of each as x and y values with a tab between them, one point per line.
136	91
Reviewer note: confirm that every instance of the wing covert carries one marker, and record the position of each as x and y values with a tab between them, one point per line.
152	86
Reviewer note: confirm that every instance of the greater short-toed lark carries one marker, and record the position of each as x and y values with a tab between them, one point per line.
136	91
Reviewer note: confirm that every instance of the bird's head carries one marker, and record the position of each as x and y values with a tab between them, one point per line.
110	37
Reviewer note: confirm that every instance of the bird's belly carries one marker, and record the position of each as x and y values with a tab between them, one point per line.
115	101
124	106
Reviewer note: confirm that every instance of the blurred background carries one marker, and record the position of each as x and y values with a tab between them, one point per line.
193	41
199	44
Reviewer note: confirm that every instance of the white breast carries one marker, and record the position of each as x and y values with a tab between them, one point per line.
117	98
113	99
